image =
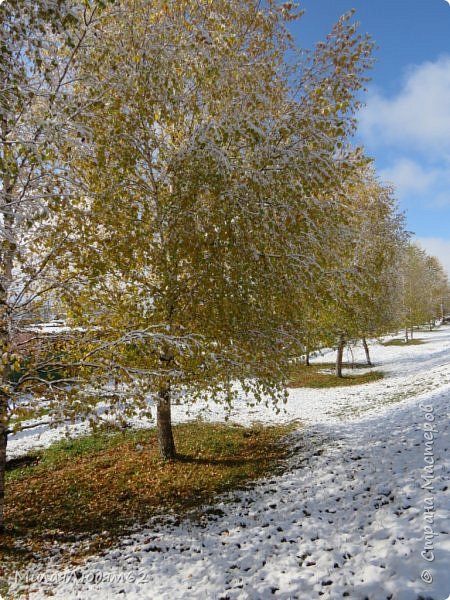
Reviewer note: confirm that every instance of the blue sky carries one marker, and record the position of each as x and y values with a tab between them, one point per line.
405	125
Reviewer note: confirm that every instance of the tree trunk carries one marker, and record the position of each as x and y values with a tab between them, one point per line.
307	363
340	355
7	253
3	442
406	334
366	350
4	398
5	372
412	333
164	423
4	420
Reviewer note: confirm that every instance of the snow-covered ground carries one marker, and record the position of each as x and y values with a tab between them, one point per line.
361	511
409	371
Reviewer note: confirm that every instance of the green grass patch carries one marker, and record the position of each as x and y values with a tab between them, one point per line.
105	482
313	376
403	342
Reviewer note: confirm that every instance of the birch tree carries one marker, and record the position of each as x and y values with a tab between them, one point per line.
424	284
362	277
39	42
438	290
380	240
206	214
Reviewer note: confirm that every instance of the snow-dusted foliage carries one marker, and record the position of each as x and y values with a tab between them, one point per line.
424	288
39	43
214	171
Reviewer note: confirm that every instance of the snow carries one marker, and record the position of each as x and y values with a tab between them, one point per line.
52	327
349	517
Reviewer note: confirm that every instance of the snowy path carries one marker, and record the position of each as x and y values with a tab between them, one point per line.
346	520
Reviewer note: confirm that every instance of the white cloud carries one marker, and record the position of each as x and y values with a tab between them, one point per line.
437	247
419	114
409	176
413	179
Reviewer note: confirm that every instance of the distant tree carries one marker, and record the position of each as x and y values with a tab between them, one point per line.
438	290
381	240
363	275
424	285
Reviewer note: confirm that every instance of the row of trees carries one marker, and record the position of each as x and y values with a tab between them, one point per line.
178	179
424	290
404	288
